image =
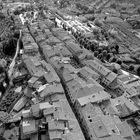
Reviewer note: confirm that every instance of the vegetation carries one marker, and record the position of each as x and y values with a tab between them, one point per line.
138	10
131	67
113	5
138	70
4	117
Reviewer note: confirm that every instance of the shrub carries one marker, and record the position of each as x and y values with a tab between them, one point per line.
131	67
100	56
113	5
108	57
138	10
96	53
112	59
104	53
138	71
119	62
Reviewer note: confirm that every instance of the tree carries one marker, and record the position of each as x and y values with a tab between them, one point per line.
108	57
91	18
4	117
131	67
98	23
117	48
113	51
115	71
100	50
16	34
91	11
138	10
86	45
100	56
78	6
119	61
9	47
104	53
138	71
96	53
2	138
113	5
112	59
95	31
82	42
92	48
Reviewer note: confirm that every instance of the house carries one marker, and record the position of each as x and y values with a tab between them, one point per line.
49	77
31	48
52	89
29	126
26	113
123	106
31	81
20	104
48	113
29	65
56	125
53	40
104	127
55	129
89	73
28	92
55	135
74	47
55	97
35	110
60	115
67	76
94	98
49	23
44	105
107	75
34	137
126	131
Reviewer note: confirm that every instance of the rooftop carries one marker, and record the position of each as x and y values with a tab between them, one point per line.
87	72
29	126
52	89
94	98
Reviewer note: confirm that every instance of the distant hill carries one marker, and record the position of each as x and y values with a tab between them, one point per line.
136	2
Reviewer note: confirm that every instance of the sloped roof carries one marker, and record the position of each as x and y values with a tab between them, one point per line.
94	98
56	125
29	126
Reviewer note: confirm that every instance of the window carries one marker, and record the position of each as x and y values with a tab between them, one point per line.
90	120
65	124
113	130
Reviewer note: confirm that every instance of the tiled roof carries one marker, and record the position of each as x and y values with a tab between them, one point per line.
52	89
74	47
49	111
53	40
98	67
59	114
94	98
111	77
29	126
56	125
44	105
55	134
125	130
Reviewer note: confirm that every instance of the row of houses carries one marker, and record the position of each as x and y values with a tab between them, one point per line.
81	92
48	115
119	82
